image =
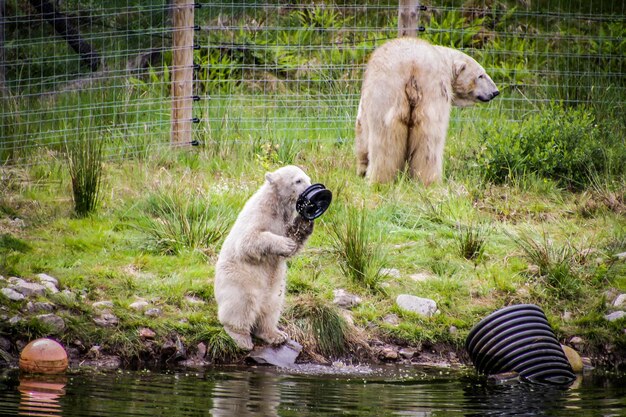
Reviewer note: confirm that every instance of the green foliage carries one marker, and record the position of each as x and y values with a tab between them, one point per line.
358	247
556	143
183	220
471	241
454	31
220	346
557	268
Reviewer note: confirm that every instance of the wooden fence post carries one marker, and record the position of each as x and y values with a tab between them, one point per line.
408	17
182	72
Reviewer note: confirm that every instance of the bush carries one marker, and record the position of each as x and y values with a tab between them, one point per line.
557	143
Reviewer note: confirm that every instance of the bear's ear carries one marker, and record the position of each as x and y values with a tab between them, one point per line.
459	66
269	177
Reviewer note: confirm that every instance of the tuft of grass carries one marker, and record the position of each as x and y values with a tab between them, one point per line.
220	346
319	327
181	221
361	257
471	241
555	263
85	164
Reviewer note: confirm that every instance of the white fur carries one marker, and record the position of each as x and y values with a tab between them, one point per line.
408	90
251	268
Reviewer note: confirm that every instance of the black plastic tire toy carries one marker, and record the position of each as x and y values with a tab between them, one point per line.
314	201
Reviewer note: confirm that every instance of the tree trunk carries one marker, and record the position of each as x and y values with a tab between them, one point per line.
68	31
182	72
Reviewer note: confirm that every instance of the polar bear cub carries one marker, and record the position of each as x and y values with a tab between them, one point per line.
250	274
408	90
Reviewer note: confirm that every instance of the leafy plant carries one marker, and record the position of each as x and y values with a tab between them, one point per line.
557	143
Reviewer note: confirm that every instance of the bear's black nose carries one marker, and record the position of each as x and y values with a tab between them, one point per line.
495	93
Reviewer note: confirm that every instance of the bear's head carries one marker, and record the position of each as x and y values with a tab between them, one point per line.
470	83
288	183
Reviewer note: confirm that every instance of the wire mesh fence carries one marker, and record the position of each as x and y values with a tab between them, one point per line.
273	71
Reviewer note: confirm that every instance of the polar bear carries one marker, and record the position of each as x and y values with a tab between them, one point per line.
250	273
408	89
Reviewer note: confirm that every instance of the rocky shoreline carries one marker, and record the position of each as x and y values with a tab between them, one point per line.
33	301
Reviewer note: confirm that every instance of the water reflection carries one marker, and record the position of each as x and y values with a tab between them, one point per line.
246	394
39	395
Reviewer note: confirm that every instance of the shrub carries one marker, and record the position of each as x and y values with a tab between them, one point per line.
85	162
564	145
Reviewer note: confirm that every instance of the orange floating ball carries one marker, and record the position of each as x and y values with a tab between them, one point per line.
43	356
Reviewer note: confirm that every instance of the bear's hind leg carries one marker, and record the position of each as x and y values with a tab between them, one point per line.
360	144
241	337
426	156
387	151
267	324
238	314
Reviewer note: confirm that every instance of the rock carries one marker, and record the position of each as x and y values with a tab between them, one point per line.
102	305
620	301
421	276
391	319
567	316
423	306
94	351
49	282
576	340
197	360
388	354
38	307
48	278
574	358
283	356
55	322
5	344
344	299
146	333
153	312
11	294
140	305
407	353
28	289
194	300
106	320
392	272
15	320
533	270
616	315
453	330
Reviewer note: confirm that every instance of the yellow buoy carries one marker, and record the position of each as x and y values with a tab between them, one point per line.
43	356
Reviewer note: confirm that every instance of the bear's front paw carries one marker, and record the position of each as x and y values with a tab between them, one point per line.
288	248
275	337
242	340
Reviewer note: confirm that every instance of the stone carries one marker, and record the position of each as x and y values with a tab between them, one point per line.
344	299
146	333
28	289
620	301
391	272
5	344
47	278
616	315
423	306
11	294
391	319
388	354
567	316
55	322
533	270
38	307
407	353
574	358
421	276
283	356
15	320
194	300
139	305
102	305
106	320
153	312
453	330
576	340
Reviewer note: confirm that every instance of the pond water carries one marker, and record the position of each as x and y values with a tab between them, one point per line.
306	391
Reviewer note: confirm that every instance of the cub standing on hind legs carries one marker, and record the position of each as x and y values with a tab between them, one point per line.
250	274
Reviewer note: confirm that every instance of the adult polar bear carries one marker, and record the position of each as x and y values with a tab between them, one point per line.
408	90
